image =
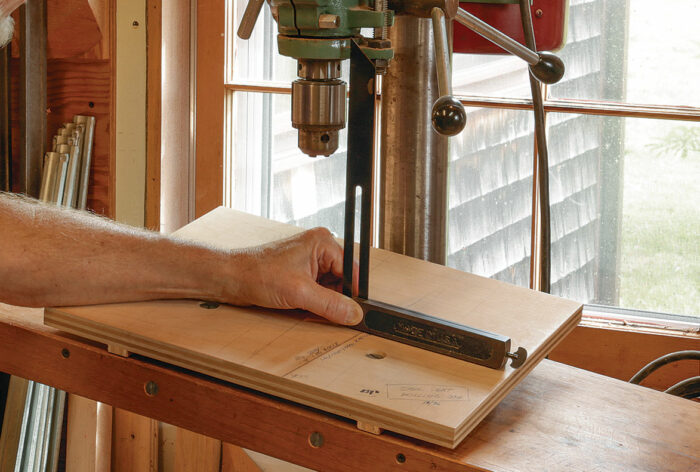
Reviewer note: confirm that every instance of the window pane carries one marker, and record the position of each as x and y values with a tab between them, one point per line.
258	59
490	188
490	75
639	52
577	182
268	175
631	221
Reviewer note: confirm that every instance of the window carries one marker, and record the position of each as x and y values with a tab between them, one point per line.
624	137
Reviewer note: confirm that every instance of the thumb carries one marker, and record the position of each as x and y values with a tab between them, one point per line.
331	305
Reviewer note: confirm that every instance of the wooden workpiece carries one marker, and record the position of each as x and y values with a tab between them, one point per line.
379	383
558	418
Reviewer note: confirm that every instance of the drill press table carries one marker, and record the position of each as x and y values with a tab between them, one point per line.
379	383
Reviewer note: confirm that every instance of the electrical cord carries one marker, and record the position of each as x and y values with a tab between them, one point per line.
688	388
662	361
542	154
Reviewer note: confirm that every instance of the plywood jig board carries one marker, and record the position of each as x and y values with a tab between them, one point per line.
377	382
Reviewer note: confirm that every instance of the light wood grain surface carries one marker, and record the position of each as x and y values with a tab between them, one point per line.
302	358
558	418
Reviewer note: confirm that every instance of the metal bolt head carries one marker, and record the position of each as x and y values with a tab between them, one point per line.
65	353
327	21
379	43
539	13
400	458
151	388
316	439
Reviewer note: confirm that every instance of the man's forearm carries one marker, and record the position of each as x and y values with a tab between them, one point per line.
52	256
8	6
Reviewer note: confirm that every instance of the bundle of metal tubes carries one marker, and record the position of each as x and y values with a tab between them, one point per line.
66	169
32	426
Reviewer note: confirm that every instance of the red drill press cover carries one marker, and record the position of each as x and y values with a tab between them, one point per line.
549	18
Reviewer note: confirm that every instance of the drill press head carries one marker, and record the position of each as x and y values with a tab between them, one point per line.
318	34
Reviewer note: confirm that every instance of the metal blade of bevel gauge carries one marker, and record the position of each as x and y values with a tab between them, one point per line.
359	167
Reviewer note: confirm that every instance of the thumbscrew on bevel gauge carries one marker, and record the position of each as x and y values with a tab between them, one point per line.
518	357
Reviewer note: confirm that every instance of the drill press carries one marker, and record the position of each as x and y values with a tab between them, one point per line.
322	33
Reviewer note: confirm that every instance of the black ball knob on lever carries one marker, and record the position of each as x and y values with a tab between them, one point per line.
545	66
549	69
448	117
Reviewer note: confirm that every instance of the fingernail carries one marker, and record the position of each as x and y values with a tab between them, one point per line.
354	315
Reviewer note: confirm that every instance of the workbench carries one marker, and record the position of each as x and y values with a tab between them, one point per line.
558	418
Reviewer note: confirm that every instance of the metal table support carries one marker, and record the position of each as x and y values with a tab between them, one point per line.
413	193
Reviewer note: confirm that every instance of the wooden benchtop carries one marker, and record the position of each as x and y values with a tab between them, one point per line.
557	419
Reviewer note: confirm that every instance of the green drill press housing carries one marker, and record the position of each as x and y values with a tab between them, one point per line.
301	37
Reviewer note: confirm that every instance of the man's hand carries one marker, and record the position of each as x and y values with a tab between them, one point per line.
7	25
304	271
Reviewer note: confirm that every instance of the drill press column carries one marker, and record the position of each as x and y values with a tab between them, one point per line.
413	199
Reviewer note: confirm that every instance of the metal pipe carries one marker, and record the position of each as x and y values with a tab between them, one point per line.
48	177
85	158
60	139
442	51
5	164
61	174
413	194
542	155
70	193
32	92
250	17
